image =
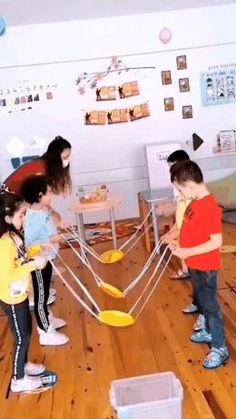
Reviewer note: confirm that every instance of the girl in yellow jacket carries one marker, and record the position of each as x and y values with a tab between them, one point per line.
14	280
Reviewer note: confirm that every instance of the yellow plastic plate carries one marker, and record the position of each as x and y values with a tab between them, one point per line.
111	256
34	251
110	290
116	318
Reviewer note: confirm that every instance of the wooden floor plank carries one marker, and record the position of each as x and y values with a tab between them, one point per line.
97	354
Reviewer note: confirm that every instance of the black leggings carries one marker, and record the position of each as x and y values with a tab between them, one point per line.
41	284
21	326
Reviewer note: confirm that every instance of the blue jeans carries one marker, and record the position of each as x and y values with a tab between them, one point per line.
205	290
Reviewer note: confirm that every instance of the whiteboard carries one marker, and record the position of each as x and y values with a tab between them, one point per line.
158	169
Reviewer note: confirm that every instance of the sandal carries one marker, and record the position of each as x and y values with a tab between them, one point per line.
180	275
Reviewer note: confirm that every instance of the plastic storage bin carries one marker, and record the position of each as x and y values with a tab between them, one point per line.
155	396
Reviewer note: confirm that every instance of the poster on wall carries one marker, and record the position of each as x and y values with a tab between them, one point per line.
24	96
218	87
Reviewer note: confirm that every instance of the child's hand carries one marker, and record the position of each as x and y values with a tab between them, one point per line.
180	252
64	225
40	262
57	238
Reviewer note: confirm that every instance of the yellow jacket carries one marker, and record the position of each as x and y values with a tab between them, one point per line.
14	276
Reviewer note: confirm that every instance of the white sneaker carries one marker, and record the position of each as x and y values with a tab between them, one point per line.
56	322
25	384
200	323
51	300
51	337
52	291
34	369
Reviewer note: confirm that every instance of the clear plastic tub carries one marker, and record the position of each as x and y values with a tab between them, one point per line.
155	396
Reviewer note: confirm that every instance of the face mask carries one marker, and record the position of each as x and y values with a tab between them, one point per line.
65	163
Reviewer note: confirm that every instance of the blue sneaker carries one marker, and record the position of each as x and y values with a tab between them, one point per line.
201	337
216	358
190	309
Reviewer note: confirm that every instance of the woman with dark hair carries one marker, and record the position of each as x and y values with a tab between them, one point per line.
55	164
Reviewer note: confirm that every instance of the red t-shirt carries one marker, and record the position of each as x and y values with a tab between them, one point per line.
201	219
15	180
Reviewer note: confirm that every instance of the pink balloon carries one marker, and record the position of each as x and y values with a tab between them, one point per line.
165	35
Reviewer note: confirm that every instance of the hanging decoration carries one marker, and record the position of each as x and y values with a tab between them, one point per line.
165	35
90	80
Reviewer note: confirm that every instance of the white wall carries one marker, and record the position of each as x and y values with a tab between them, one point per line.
116	154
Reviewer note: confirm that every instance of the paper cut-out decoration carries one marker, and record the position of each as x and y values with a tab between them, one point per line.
195	142
17	161
16	147
165	35
37	143
3	25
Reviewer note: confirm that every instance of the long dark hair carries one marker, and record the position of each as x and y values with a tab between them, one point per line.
58	175
9	204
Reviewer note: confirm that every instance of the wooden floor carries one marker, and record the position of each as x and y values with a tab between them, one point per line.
97	354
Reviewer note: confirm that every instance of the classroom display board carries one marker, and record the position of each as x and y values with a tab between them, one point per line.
158	169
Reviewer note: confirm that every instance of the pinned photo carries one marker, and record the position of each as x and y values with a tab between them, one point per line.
187	111
106	93
181	62
139	111
169	104
95	118
117	116
166	77
184	85
128	89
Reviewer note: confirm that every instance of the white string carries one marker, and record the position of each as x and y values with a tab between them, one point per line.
150	279
73	292
145	268
80	284
86	263
153	289
84	245
138	238
136	232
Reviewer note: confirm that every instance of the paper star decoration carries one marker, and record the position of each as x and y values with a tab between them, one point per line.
16	147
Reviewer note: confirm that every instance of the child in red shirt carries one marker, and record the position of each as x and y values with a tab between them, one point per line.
199	244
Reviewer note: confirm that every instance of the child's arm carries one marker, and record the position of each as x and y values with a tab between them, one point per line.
214	243
9	271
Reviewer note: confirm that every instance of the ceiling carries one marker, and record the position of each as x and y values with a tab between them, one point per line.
23	12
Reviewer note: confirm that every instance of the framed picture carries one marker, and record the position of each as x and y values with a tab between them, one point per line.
181	62
184	85
169	104
187	111
166	77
